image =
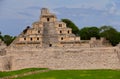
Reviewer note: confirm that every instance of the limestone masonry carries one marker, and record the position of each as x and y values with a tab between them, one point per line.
49	43
48	32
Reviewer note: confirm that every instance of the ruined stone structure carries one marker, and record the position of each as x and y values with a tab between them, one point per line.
47	32
2	53
2	45
49	43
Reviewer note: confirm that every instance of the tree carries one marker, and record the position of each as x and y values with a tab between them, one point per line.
87	32
8	39
25	30
70	24
1	37
110	34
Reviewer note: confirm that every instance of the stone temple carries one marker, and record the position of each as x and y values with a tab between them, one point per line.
49	43
48	32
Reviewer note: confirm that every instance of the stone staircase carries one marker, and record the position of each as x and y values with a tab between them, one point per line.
50	37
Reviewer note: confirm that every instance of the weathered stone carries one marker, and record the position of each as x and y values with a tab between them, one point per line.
50	44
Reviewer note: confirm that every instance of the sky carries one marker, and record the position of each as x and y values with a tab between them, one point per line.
16	15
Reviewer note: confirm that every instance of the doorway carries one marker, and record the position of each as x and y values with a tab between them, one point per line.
48	19
50	45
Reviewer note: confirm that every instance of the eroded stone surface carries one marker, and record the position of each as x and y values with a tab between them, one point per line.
51	44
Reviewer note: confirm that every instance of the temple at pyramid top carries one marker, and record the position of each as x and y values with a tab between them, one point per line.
46	16
49	32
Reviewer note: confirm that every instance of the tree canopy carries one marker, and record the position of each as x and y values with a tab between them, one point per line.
7	39
70	24
87	32
110	34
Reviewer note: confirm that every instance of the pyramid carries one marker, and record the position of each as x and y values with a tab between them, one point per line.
47	32
49	43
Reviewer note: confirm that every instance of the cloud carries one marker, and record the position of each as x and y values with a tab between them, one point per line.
111	8
25	14
20	13
88	16
34	8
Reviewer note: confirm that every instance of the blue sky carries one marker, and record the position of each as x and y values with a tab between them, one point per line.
15	15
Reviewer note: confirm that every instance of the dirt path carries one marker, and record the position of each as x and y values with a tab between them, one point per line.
25	74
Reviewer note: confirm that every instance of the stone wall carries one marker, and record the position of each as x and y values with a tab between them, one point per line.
1	67
66	58
5	63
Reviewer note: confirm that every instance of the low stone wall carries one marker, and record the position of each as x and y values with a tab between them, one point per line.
5	63
66	58
1	67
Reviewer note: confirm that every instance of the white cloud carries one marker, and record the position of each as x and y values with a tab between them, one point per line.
82	12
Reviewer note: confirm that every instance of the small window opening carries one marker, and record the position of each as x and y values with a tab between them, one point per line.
61	38
31	39
48	19
24	38
38	31
50	45
68	31
60	25
37	38
60	31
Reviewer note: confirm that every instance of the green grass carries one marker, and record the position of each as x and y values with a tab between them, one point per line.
11	73
75	74
65	74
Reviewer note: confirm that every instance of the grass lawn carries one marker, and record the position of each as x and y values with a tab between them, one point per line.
11	73
75	74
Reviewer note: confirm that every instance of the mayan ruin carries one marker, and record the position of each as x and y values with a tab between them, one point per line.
49	43
48	32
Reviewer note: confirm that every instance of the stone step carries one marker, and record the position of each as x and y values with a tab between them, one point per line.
49	34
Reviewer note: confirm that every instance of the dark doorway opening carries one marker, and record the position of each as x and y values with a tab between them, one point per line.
38	31
68	31
31	39
60	31
61	38
48	19
50	45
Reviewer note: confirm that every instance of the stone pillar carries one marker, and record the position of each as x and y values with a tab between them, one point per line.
92	42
